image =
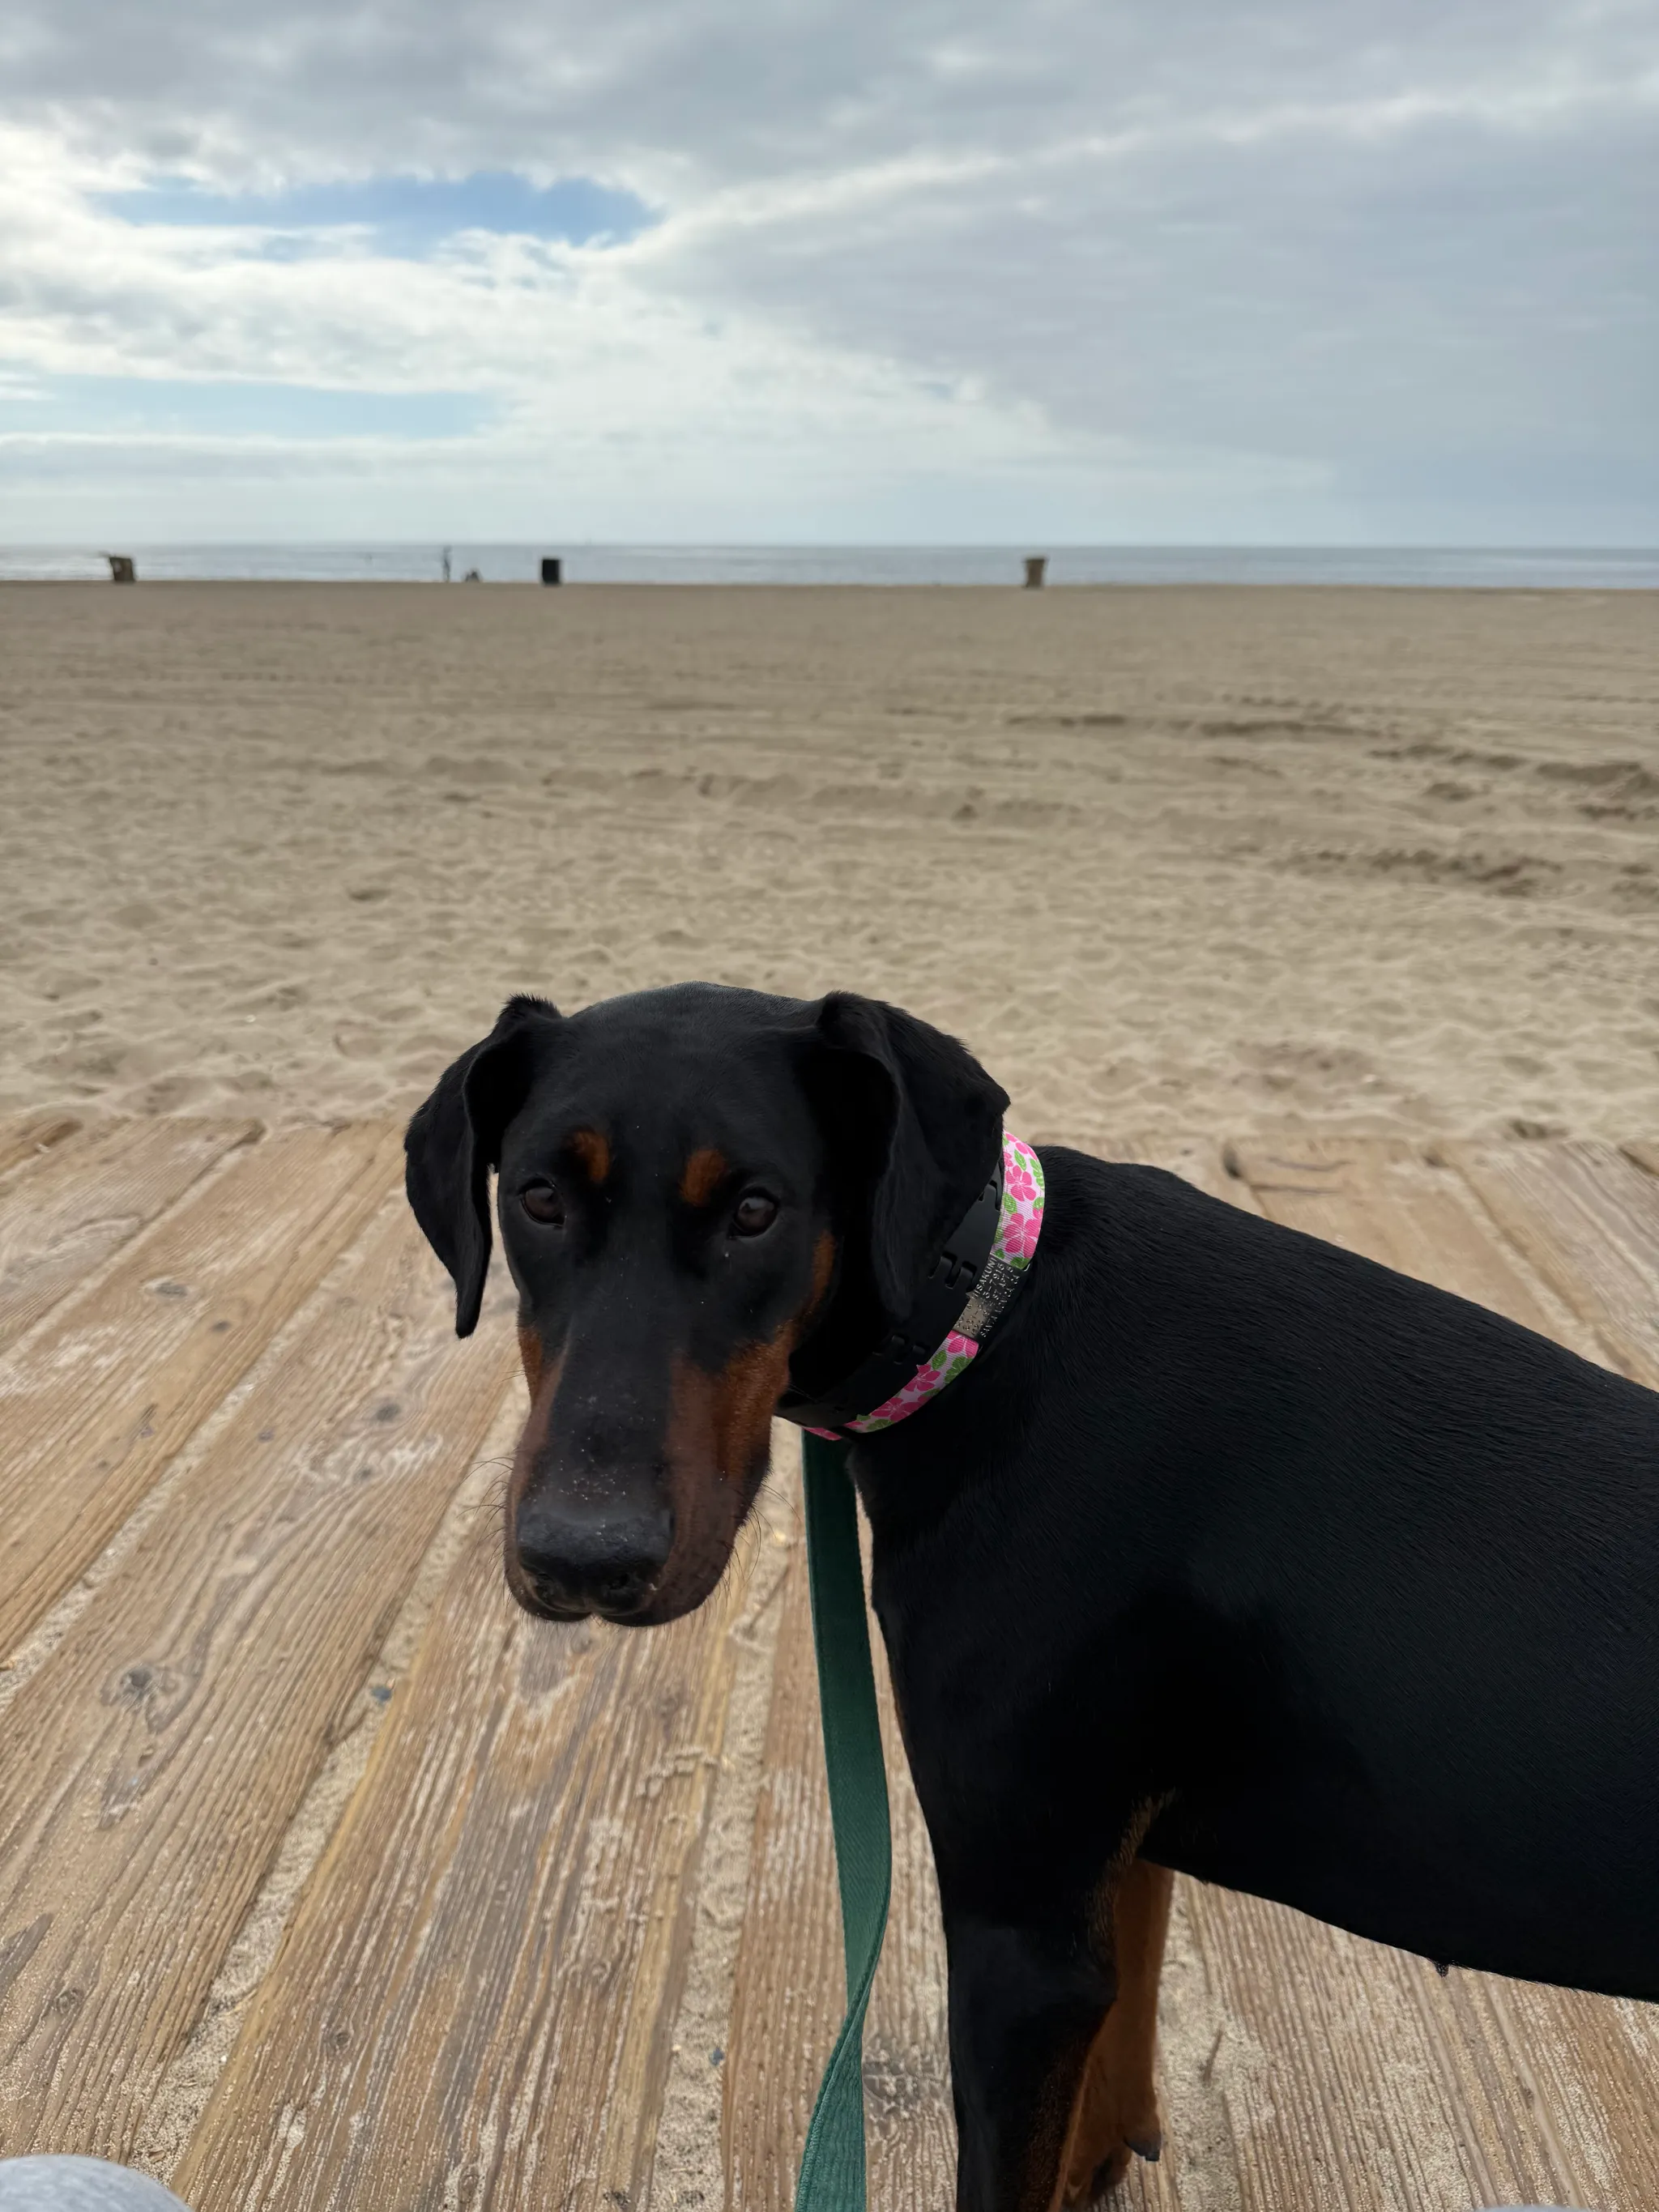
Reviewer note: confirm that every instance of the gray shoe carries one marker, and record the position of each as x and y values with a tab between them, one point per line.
80	2185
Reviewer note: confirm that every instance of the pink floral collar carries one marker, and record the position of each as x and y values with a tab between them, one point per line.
1019	1227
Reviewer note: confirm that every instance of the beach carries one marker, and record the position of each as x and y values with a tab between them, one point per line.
1175	859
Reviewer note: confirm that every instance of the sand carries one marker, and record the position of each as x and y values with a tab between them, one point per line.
1177	859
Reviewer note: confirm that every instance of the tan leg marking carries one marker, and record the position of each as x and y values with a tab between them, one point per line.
1116	2112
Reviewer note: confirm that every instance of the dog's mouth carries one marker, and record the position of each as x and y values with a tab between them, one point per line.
654	1614
642	1535
631	1601
541	1608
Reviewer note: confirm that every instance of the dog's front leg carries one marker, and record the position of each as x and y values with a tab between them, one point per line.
1116	2112
1027	2001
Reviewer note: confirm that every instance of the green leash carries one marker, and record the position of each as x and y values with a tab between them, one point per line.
832	2163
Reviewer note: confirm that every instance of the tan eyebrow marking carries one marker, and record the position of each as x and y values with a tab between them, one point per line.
705	1172
592	1150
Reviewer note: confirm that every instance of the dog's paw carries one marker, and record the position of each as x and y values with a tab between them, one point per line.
1091	2185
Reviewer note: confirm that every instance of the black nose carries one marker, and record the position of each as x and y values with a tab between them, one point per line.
596	1561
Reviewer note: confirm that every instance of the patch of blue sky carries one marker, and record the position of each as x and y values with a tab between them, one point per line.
114	406
408	217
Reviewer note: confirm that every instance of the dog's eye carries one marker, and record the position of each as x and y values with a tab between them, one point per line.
754	1214
543	1203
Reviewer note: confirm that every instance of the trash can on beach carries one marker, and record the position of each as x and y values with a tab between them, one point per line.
552	571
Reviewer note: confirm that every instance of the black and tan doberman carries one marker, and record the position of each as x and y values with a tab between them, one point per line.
1230	1552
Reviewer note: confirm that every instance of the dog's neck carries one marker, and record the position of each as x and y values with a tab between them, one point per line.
984	1260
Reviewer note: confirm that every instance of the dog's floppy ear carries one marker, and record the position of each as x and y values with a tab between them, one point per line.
454	1142
924	1117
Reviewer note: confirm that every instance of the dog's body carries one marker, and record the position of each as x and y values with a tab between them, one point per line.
1232	1554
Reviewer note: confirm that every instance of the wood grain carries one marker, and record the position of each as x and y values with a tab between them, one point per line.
154	1761
84	1201
473	2005
1385	1199
1588	1219
790	1989
1301	2065
791	1985
907	2070
29	1137
98	1403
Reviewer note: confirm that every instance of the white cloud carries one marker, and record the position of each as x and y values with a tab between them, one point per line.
923	271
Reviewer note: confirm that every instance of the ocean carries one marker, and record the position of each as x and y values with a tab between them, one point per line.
1575	568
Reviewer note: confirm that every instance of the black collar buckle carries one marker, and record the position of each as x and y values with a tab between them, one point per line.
938	1308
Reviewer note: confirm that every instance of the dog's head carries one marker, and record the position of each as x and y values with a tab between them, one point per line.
704	1195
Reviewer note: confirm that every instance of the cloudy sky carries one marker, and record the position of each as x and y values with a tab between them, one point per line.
1201	271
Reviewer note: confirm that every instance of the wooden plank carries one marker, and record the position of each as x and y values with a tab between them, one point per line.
1302	2066
790	1987
907	2069
1384	1199
475	2003
84	1201
95	1405
28	1137
155	1760
1588	1217
1595	2060
1326	2070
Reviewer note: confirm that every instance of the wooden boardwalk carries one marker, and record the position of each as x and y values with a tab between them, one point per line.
329	1881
